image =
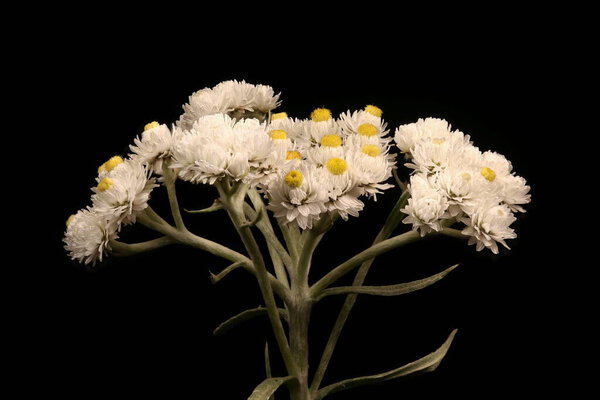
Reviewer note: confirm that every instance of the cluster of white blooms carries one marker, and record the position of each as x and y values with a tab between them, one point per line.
122	192
238	99
453	181
330	164
306	168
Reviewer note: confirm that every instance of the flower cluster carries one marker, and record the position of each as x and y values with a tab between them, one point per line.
122	192
453	181
306	168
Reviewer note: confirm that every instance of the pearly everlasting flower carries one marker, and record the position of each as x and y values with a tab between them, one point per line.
369	128
88	235
123	193
426	207
238	99
407	136
219	147
153	146
459	185
371	166
342	188
515	193
488	224
298	196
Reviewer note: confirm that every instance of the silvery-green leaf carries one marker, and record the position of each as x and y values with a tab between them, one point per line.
268	387
424	364
388	290
245	316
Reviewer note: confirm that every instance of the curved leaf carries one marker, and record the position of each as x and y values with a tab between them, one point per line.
388	290
425	364
243	317
268	387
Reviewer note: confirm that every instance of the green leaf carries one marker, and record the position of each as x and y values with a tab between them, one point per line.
425	364
268	387
389	290
243	317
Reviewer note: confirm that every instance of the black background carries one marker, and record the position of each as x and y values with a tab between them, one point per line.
142	325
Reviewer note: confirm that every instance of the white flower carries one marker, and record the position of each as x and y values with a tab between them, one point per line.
489	223
434	154
366	126
219	147
240	99
298	196
460	186
408	135
152	147
342	188
515	192
123	193
426	207
87	236
371	165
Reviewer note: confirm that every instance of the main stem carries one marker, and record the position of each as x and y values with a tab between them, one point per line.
299	314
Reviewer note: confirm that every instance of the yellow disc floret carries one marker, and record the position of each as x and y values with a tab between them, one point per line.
466	176
281	115
438	140
110	164
151	125
70	220
331	141
293	155
371	150
294	178
374	110
105	184
278	134
367	130
320	114
488	173
337	166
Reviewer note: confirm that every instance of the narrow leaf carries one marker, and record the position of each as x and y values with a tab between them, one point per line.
268	387
243	317
424	364
268	366
388	290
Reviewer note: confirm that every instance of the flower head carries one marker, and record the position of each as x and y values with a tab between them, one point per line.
123	193
88	235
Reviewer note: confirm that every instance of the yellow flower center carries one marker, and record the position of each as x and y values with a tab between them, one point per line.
281	115
374	110
278	134
70	219
367	130
110	164
337	166
466	176
320	114
331	141
151	125
294	178
293	155
371	150
488	173
438	140
105	184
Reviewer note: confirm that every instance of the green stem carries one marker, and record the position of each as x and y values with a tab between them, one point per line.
233	201
188	238
121	249
365	255
390	225
170	179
